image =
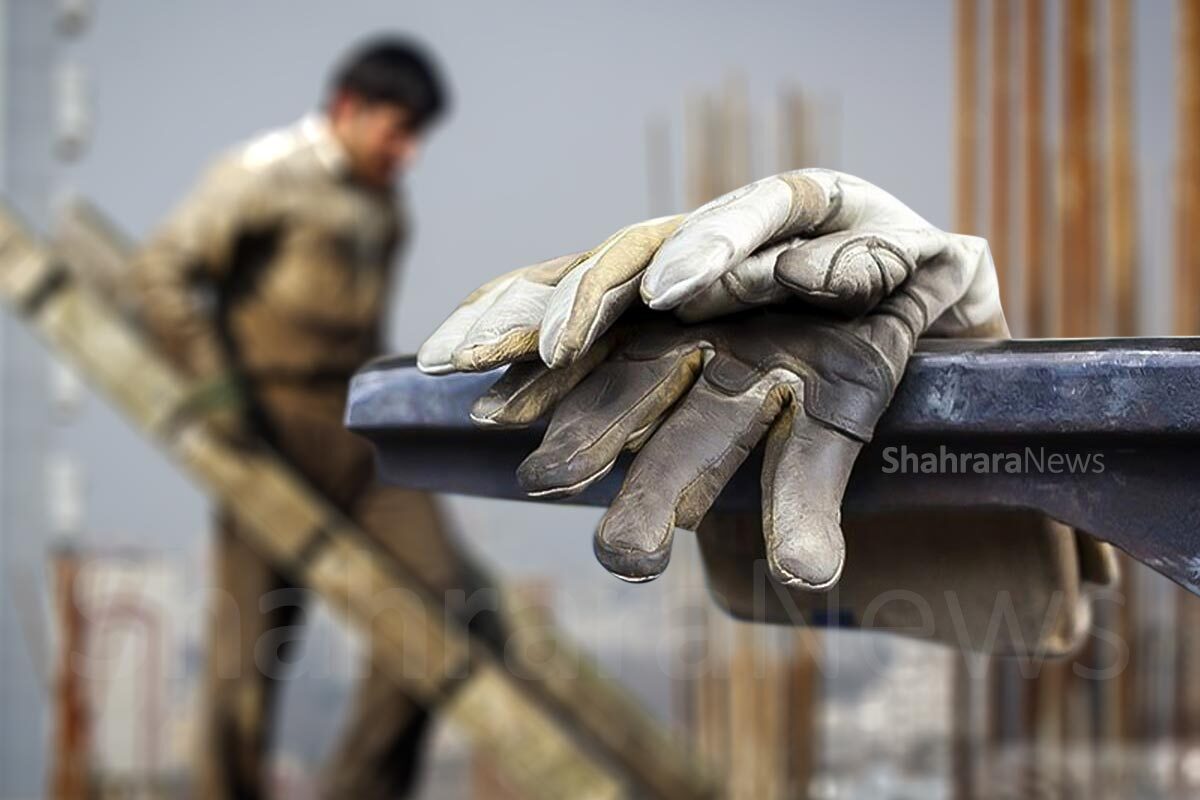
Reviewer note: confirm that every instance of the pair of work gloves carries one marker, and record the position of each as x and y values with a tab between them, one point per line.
797	301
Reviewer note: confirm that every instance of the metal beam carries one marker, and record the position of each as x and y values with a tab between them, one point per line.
1131	405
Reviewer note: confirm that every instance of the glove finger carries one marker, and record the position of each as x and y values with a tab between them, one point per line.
944	296
748	284
805	471
718	236
1098	562
529	389
679	472
609	411
963	294
507	330
850	272
435	356
598	289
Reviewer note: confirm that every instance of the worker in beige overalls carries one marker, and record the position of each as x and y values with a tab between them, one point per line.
269	285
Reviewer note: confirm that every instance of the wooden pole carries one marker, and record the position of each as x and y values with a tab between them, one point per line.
1187	172
1050	699
738	133
1122	192
1079	277
69	775
1004	687
1059	710
803	693
794	147
754	740
1033	125
999	228
967	117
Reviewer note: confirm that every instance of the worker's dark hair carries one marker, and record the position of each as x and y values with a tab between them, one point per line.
393	69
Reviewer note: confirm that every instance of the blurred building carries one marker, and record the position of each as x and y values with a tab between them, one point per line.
141	666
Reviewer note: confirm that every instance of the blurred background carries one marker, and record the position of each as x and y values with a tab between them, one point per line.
1067	131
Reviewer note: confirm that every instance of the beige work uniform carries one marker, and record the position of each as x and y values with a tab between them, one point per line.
276	269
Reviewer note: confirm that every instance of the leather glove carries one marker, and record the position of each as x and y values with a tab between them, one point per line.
839	240
696	399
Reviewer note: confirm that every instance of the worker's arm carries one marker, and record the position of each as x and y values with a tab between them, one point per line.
181	272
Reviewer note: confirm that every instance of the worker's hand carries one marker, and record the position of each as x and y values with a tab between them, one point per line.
221	403
696	399
231	426
830	239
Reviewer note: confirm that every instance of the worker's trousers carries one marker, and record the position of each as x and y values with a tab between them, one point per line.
256	610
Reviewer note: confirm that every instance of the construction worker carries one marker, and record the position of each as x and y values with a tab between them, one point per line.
269	285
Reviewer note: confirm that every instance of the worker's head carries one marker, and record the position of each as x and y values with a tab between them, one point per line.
382	101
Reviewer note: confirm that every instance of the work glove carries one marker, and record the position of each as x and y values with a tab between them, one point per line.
841	242
696	399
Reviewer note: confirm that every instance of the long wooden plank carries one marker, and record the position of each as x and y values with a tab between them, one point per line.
605	709
305	536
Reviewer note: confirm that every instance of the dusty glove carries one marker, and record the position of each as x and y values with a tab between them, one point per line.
697	399
839	240
501	321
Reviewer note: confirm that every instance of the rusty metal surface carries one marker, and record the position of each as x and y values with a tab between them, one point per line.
1105	433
